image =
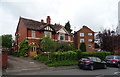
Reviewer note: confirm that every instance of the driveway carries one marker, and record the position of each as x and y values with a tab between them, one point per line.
24	63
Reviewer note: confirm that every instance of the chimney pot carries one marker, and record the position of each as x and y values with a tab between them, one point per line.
42	21
48	19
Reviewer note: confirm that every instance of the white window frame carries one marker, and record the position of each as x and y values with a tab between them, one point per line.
82	40
68	38
33	34
90	34
62	35
90	40
82	35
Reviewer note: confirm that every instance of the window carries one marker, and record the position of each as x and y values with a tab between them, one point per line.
98	60
89	34
93	58
47	34
89	45
33	34
61	36
81	40
82	34
68	38
90	40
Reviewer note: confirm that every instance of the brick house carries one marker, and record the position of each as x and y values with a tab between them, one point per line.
85	35
34	31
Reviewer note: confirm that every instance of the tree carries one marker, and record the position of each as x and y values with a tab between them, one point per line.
107	40
63	46
96	45
49	45
7	41
68	27
83	47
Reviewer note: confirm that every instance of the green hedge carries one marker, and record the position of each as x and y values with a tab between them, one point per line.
68	58
101	55
60	56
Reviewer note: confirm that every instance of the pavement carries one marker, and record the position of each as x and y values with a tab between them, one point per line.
25	64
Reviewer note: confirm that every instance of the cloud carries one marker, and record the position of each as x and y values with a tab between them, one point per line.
96	14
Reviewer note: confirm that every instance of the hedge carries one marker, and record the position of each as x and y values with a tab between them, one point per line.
68	58
60	56
101	55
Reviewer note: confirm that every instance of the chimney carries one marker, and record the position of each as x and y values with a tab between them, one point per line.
42	21
48	19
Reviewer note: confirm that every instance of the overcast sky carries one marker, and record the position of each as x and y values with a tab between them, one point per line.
96	14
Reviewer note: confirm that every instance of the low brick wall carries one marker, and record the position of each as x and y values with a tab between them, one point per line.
4	60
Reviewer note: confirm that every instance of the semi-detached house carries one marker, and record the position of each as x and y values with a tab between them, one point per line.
34	31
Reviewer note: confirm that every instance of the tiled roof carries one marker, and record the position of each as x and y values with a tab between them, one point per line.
36	25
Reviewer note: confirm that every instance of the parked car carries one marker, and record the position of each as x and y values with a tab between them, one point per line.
91	63
113	60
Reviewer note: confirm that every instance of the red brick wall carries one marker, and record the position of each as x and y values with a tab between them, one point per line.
22	31
4	60
39	34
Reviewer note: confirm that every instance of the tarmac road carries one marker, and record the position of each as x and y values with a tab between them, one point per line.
76	71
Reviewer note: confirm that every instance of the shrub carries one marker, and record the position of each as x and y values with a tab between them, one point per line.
23	48
60	56
79	53
83	47
101	55
63	46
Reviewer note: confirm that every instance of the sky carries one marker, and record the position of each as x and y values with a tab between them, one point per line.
96	14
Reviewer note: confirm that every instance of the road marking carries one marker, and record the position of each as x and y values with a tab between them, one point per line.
100	75
116	73
31	62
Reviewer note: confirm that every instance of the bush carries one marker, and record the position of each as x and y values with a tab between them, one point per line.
63	47
23	48
83	47
60	56
101	55
67	58
41	58
79	53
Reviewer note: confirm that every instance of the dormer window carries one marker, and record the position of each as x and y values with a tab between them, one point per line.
33	33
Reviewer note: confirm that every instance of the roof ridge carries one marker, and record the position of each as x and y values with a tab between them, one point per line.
30	19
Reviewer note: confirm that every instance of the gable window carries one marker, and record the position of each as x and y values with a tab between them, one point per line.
48	28
61	36
90	40
47	34
90	34
82	34
89	45
68	38
82	40
33	34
